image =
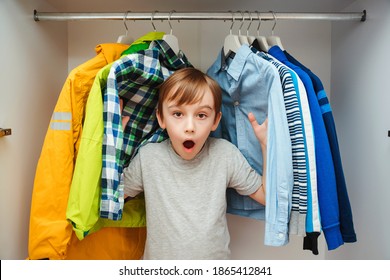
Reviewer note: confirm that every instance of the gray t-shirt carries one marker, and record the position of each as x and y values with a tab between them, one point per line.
186	199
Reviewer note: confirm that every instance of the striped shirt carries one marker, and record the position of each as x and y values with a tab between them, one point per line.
298	143
135	79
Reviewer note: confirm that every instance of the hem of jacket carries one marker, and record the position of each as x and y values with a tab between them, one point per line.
333	237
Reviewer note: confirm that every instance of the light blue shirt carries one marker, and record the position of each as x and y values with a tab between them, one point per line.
252	84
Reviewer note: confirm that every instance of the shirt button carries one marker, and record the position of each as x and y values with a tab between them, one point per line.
236	103
281	235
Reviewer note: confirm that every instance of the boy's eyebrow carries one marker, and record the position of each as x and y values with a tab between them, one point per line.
200	107
206	107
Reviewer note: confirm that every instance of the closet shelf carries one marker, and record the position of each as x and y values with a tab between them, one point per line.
172	15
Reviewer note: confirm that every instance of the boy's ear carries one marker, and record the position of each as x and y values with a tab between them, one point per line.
160	119
217	120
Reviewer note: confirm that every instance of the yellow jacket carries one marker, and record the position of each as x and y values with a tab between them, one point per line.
51	235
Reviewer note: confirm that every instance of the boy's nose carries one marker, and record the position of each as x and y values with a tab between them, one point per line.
190	127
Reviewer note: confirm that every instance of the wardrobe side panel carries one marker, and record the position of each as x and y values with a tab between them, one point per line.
34	59
361	98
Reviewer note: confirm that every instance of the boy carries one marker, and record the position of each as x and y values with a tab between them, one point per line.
185	177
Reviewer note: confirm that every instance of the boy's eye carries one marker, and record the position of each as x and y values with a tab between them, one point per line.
177	114
202	115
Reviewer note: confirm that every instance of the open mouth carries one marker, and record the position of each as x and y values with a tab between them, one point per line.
189	144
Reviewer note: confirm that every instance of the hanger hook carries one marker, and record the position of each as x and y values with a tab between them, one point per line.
250	23
231	26
273	27
242	22
124	21
151	19
258	26
169	19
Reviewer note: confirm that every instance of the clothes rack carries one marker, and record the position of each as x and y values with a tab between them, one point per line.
226	16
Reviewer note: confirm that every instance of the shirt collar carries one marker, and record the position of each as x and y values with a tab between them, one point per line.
237	64
168	57
277	52
154	35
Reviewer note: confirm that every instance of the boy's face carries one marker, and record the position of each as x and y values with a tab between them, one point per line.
189	125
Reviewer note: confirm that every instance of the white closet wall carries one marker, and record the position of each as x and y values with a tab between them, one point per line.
347	56
361	101
34	64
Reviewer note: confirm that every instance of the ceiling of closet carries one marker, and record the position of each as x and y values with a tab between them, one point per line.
200	5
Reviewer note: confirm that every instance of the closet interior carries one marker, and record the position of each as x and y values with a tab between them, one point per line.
314	38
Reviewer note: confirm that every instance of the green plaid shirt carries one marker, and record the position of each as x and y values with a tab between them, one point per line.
135	79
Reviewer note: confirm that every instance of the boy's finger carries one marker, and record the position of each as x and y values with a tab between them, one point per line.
121	104
252	119
125	120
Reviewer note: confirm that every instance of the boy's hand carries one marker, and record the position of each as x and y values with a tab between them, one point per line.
261	135
125	119
259	129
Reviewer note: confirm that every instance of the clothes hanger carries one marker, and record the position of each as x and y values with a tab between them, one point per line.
242	38
261	39
171	39
274	40
125	39
154	27
251	39
151	20
231	43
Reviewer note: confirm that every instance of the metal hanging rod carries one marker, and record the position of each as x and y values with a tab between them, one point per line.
173	15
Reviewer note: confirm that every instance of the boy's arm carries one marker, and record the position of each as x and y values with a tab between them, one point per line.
261	134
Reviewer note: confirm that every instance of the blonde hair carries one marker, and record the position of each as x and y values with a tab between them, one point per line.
187	86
